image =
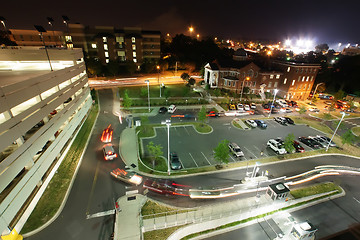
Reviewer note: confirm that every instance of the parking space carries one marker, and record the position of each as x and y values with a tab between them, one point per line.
196	150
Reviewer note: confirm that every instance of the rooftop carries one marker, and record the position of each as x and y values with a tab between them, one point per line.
11	77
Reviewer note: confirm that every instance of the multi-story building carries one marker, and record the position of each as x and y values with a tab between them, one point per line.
292	80
112	44
32	37
41	109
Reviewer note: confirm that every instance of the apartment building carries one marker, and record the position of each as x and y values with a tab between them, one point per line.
42	107
292	80
112	44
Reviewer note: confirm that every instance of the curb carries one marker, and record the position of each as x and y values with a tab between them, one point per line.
29	234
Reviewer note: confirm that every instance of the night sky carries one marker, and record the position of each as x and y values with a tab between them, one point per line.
323	21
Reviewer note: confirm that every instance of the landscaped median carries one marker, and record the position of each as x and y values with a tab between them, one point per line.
55	192
302	196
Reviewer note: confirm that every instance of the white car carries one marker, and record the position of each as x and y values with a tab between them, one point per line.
253	106
172	108
251	123
313	109
247	107
235	149
240	107
277	146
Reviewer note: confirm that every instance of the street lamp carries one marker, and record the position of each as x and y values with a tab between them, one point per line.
168	124
40	29
242	89
191	29
50	22
158	68
342	117
147	82
315	91
275	92
2	20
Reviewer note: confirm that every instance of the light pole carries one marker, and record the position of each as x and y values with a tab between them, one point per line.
147	82
191	29
168	124
41	30
2	20
242	89
275	92
342	117
315	91
158	68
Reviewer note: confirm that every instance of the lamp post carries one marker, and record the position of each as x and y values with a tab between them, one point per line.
242	89
158	68
315	91
50	22
168	124
147	82
275	92
2	20
191	29
342	117
40	29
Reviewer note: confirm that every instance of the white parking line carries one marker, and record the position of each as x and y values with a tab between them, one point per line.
250	152
193	160
232	158
260	151
181	164
205	158
187	131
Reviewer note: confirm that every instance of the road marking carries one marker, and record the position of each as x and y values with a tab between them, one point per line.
232	157
182	164
226	124
187	131
100	214
93	187
206	158
356	200
131	192
193	160
250	152
260	151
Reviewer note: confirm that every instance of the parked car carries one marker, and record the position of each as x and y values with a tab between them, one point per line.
174	161
298	147
246	107
280	120
240	106
109	152
320	141
313	109
277	146
309	142
253	105
251	123
172	108
261	123
328	140
212	114
68	100
163	110
289	120
232	107
235	149
281	102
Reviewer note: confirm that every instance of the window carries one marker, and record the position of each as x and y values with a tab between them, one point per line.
307	78
254	83
233	83
277	76
297	70
133	39
288	69
303	78
106	47
308	87
133	47
68	39
121	53
299	78
120	39
134	54
107	54
305	70
256	74
271	76
251	73
134	60
304	86
270	83
225	82
93	45
285	80
293	82
229	83
70	45
107	60
275	84
104	39
312	78
301	70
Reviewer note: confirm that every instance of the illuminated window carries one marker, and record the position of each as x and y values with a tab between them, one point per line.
285	80
308	87
270	83
107	60
104	39
134	54
68	39
307	78
105	47
133	39
271	76
93	45
225	82
312	78
293	82
288	69
275	84
107	54
70	45
303	78
304	86
277	76
134	60
299	78
121	53
120	39
133	47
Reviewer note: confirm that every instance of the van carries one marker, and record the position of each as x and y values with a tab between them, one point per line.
172	108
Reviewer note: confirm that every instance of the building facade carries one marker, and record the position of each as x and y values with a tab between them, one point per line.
41	111
32	38
292	80
112	44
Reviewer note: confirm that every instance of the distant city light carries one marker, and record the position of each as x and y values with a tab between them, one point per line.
287	42
302	45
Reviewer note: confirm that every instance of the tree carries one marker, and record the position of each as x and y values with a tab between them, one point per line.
339	95
221	152
217	92
94	66
185	76
289	143
166	93
347	137
202	115
302	110
127	102
155	152
192	81
246	90
323	47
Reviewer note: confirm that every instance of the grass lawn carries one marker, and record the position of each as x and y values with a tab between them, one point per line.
237	125
202	127
163	102
161	234
176	90
54	194
150	208
315	189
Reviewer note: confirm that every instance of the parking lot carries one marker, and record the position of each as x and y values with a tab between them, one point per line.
196	150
